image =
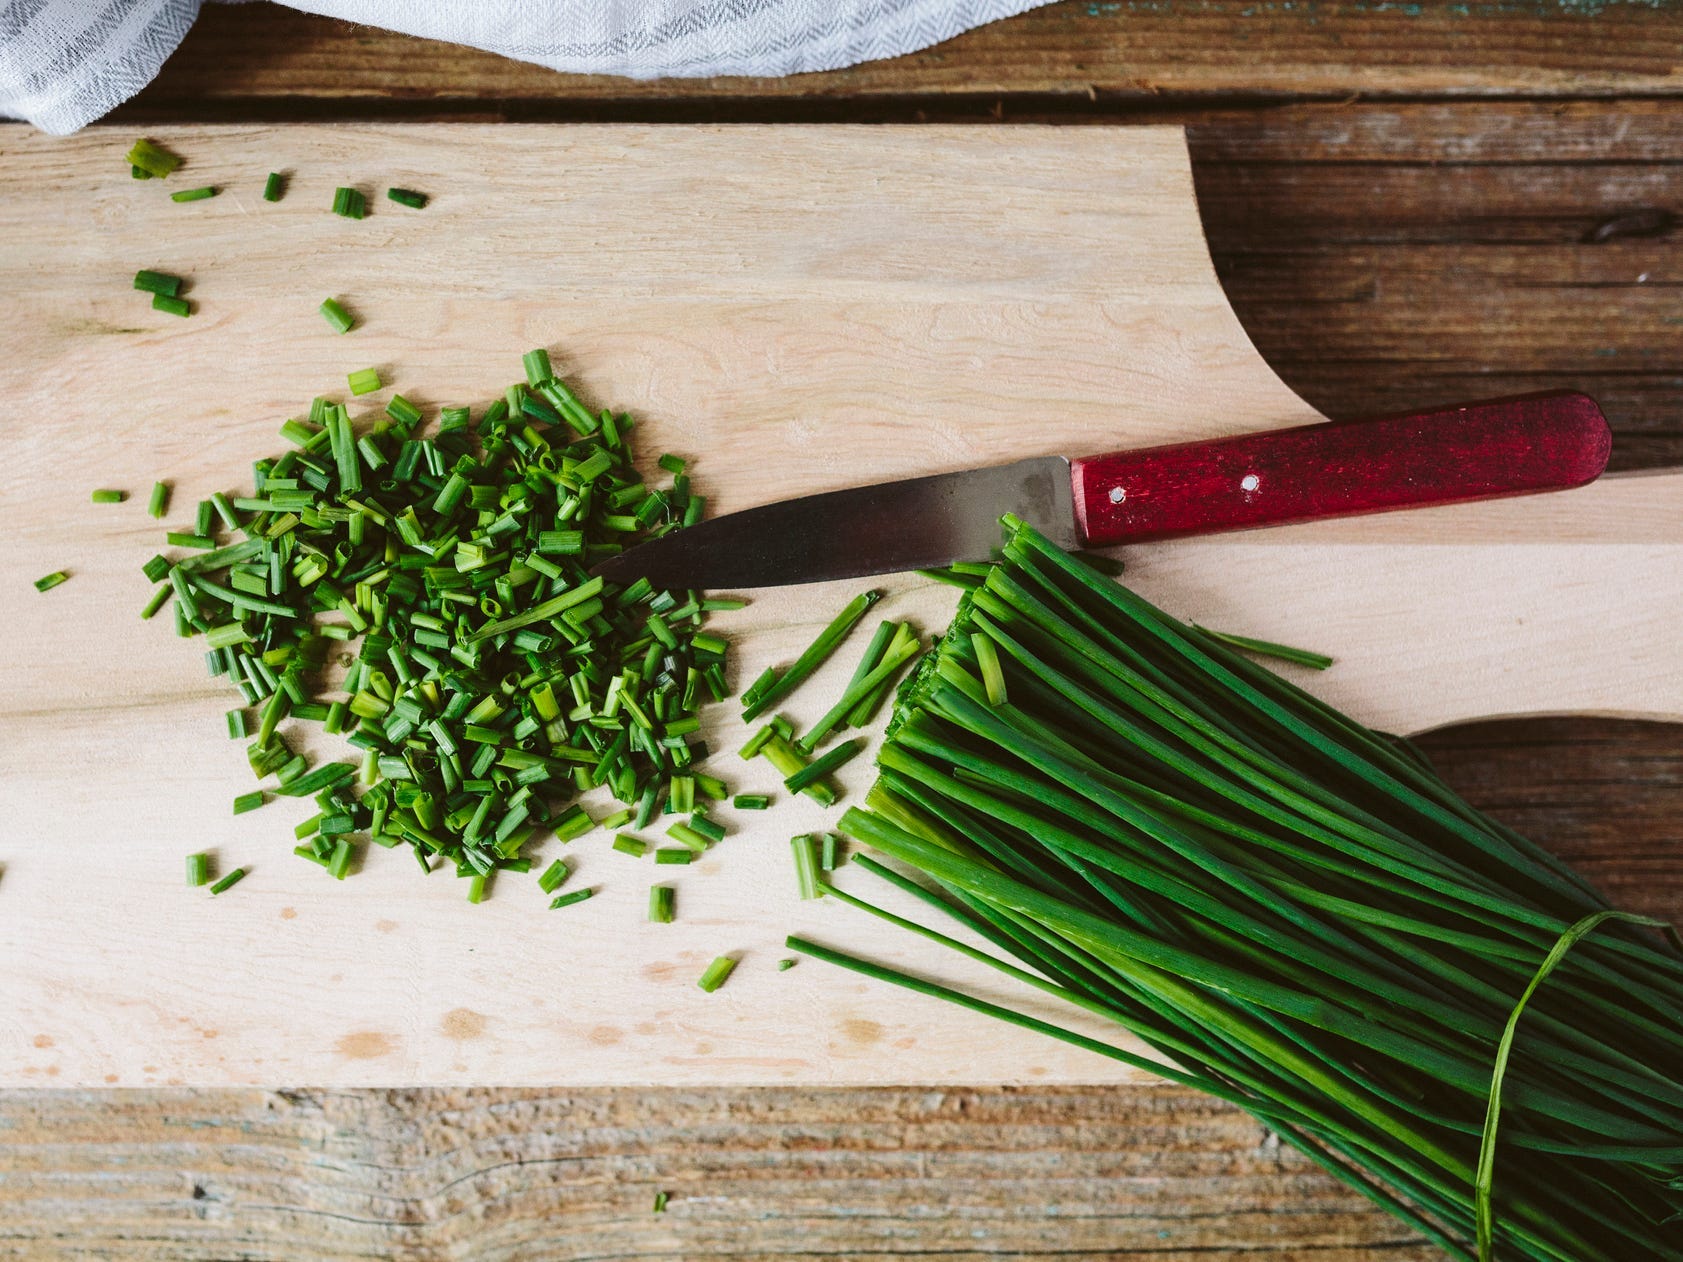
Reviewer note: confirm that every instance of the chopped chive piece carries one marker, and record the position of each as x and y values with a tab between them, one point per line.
660	1202
617	820
174	306
156	603
537	366
157	282
108	497
751	801
194	194
349	202
228	882
47	582
237	725
153	159
687	836
807	879
716	973
339	862
364	381
183	539
1266	648
814	656
567	900
409	197
198	869
157	569
249	801
574	823
340	320
787	760
784	965
723	604
158	504
273	187
667	855
660	904
832	853
553	876
900	652
476	887
625	843
672	463
708	828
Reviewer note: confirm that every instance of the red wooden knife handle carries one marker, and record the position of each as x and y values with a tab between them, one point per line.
1517	446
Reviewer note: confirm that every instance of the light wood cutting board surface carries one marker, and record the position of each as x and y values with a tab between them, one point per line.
795	309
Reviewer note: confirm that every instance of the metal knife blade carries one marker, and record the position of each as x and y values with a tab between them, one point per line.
908	525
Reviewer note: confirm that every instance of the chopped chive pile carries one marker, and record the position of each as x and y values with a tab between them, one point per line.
333	311
407	197
194	194
350	202
47	582
403	591
274	188
153	161
715	974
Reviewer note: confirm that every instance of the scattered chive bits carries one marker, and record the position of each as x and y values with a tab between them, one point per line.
108	497
660	1202
567	900
274	188
198	869
350	203
152	159
47	582
407	197
249	801
807	880
333	311
228	882
785	964
195	194
173	306
157	282
716	973
750	801
490	678
157	503
633	846
364	380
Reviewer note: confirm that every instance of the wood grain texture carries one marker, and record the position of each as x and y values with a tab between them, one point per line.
1078	53
885	313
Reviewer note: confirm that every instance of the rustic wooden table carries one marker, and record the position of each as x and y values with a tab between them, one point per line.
1409	203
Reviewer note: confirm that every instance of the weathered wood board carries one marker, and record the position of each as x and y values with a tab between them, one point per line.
796	309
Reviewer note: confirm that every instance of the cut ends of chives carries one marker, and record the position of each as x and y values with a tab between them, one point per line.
661	902
333	311
198	869
274	187
173	306
364	381
407	197
157	504
47	582
716	974
567	900
108	497
660	1202
195	194
350	202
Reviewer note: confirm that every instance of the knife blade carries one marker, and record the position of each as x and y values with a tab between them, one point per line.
1516	446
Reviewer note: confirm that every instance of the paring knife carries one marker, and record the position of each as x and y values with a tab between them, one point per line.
1517	446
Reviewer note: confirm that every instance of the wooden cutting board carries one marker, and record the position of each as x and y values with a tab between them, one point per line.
794	308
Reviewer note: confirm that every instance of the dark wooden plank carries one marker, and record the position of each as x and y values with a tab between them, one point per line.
1073	52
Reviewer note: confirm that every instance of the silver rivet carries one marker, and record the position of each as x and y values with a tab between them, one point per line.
1117	495
1249	482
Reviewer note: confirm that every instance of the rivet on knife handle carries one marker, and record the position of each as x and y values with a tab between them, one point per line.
1518	446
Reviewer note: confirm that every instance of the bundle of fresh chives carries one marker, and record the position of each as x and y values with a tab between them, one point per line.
489	677
1293	912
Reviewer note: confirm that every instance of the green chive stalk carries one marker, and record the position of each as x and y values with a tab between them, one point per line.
1292	912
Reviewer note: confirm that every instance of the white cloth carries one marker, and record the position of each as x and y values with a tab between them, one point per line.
63	63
